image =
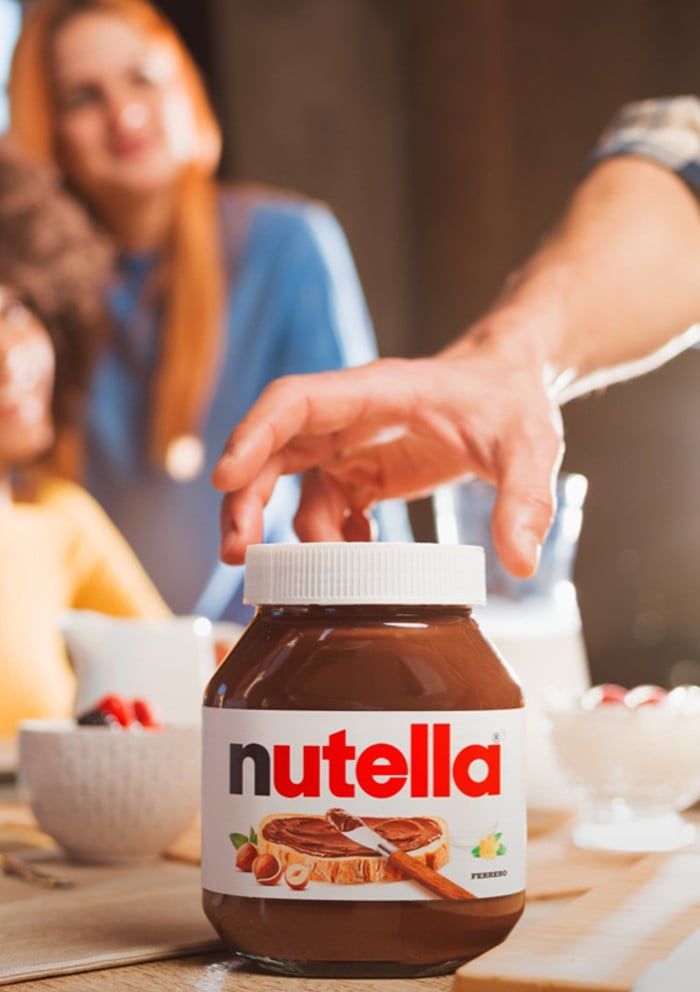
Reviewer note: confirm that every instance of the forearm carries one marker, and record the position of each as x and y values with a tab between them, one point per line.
615	289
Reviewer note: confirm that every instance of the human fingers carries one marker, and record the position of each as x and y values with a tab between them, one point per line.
316	405
325	512
241	517
241	514
525	502
323	507
435	449
359	526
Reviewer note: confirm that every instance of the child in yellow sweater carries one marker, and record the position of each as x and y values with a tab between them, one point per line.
58	549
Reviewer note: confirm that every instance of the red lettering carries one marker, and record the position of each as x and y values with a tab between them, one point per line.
419	759
381	761
310	784
461	770
441	759
337	753
382	770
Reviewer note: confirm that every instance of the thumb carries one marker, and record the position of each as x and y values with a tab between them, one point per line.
526	502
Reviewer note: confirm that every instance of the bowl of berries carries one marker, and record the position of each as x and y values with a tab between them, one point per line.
633	758
113	786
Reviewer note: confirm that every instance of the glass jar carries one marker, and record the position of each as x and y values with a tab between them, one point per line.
400	715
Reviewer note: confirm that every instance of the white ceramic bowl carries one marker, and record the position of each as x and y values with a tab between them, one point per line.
110	795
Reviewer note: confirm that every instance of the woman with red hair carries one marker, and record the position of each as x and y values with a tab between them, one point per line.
218	291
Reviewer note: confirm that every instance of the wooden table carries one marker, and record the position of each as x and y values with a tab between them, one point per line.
216	973
212	973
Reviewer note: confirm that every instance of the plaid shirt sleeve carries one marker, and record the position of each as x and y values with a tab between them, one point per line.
666	131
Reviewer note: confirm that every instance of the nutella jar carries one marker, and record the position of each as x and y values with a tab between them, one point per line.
363	783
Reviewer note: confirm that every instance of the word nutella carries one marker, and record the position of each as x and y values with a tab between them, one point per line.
381	770
363	803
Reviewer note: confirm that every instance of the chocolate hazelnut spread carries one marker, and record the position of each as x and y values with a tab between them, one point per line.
342	820
313	835
337	710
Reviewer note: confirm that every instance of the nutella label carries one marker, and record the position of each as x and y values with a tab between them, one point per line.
332	805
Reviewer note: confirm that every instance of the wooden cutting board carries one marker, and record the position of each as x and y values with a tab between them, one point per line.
112	916
605	940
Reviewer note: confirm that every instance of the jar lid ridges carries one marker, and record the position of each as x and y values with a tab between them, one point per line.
370	573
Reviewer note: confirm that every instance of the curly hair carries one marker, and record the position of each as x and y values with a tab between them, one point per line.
54	258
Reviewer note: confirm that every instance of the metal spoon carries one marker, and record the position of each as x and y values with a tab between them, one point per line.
19	868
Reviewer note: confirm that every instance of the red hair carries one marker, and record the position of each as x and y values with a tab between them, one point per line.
193	261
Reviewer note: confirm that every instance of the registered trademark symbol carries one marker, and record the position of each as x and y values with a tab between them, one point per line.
497	737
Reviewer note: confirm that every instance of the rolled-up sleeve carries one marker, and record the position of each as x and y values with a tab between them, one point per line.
664	130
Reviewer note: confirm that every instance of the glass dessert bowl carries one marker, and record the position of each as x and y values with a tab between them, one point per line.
633	759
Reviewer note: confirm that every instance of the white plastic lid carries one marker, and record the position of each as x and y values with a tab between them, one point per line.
353	573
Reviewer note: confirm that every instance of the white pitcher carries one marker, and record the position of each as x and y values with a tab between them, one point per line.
167	662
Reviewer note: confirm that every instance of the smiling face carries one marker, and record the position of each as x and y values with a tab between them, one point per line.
124	122
26	384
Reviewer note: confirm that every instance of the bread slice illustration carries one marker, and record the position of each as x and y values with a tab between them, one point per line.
295	838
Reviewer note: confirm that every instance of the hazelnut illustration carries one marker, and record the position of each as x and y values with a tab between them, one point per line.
245	856
297	876
267	869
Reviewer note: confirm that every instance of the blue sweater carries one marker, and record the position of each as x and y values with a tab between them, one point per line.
294	304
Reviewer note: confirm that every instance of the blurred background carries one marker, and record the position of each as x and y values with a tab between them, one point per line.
446	135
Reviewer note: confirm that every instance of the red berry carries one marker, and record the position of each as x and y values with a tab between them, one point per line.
606	694
645	695
119	708
144	714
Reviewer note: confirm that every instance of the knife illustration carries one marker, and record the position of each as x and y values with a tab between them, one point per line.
358	831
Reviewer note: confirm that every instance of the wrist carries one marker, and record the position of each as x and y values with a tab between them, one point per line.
530	326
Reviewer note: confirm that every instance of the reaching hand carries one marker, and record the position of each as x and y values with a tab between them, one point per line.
399	428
